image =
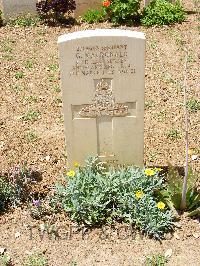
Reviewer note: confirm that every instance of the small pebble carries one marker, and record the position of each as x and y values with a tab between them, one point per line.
194	157
17	235
176	236
42	227
48	158
2	250
168	253
196	235
178	225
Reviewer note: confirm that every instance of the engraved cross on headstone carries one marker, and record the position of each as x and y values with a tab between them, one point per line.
104	109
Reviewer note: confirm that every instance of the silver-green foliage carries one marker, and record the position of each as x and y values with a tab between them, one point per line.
156	260
193	105
5	260
36	260
96	195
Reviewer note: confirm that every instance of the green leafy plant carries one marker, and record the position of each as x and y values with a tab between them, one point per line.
31	136
173	192
56	88
52	78
93	16
8	57
153	44
26	20
30	98
156	260
53	67
5	260
29	64
7	49
96	194
36	260
39	208
58	100
5	192
149	104
19	75
41	32
191	58
73	263
193	105
160	116
122	11
30	115
17	88
173	134
162	12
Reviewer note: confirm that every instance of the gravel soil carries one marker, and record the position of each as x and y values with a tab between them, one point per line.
31	129
22	236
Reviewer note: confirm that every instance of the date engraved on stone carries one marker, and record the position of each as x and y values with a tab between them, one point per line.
100	60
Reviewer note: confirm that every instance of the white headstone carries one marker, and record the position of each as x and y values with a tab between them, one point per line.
102	79
83	5
146	2
14	8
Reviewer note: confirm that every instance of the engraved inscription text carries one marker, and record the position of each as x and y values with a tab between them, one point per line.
100	60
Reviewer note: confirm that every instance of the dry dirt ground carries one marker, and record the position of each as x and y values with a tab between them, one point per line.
113	247
31	129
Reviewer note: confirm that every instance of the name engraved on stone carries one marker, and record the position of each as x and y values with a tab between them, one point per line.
100	60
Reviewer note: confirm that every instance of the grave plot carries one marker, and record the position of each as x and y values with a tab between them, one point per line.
32	131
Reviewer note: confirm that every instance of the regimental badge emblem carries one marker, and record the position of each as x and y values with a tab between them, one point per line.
103	103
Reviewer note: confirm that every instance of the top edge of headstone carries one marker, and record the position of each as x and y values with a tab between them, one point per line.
100	33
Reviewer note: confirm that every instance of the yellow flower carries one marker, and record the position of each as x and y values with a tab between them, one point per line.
190	152
71	173
160	205
149	172
139	194
158	169
76	164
